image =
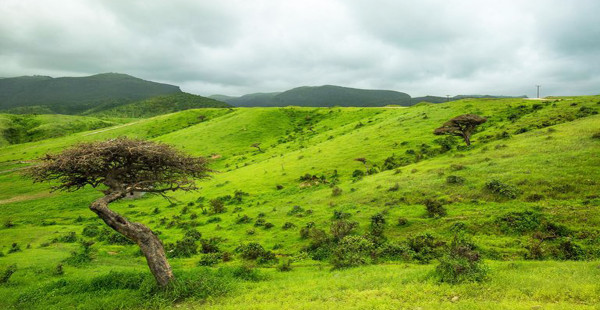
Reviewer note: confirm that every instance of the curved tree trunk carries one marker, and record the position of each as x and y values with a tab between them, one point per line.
142	235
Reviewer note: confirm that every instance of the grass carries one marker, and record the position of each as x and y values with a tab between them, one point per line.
543	151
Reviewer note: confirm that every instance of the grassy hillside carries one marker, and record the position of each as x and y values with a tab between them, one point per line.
16	129
73	95
160	105
530	175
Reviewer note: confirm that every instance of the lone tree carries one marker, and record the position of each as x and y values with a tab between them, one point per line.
257	146
461	126
120	167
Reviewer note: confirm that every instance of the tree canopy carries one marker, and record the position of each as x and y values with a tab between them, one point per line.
461	126
121	164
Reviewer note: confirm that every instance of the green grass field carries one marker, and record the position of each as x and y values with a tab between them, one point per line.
545	154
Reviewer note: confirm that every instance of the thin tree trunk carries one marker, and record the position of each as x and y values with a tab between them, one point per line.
140	234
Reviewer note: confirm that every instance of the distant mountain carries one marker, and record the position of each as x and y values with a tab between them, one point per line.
161	105
321	96
74	95
250	100
438	99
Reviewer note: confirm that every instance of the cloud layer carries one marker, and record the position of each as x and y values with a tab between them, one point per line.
236	47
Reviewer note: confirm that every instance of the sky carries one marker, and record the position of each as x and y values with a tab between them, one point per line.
235	47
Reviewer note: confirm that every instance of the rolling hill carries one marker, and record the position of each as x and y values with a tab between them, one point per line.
74	95
159	105
530	176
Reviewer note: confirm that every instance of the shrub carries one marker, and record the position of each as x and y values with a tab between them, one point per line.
210	259
304	231
268	225
434	208
14	248
339	215
569	250
423	248
502	189
336	191
8	223
7	273
215	219
285	265
193	234
185	247
217	206
377	225
70	237
352	251
254	251
210	245
288	225
402	221
358	174
341	228
58	270
534	198
90	231
519	222
83	256
247	273
243	220
296	210
394	188
461	262
116	238
454	179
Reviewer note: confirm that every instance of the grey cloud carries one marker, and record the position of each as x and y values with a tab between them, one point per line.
236	47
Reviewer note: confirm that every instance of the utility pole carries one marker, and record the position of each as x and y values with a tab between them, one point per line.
538	90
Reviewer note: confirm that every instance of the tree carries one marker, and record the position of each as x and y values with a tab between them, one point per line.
257	146
461	126
120	167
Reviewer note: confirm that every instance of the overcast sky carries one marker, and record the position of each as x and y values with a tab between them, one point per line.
236	47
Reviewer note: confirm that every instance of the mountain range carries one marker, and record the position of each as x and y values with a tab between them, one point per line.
115	94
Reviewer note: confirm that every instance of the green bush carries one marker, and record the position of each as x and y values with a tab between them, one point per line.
454	179
285	265
83	256
502	189
434	208
210	259
341	228
7	273
423	248
461	262
352	251
255	251
185	247
519	222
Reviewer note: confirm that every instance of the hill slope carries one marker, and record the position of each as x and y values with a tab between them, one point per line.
72	95
541	154
160	105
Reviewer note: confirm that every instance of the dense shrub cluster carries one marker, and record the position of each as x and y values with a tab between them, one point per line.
255	251
461	262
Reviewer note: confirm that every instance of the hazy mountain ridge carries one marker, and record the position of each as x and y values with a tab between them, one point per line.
331	95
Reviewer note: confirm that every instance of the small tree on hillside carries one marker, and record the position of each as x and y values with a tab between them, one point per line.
461	126
120	167
257	146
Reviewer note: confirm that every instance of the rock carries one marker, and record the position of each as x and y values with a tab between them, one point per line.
455	299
